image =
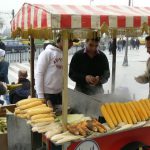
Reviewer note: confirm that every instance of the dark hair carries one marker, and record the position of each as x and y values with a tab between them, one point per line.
147	38
97	39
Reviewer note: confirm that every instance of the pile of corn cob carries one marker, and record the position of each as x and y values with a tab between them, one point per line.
35	110
130	112
39	116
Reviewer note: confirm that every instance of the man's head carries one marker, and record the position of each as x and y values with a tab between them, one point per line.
59	42
147	42
92	45
22	74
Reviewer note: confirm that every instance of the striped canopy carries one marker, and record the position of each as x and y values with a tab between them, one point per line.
38	17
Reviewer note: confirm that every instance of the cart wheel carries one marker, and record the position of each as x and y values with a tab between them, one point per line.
135	146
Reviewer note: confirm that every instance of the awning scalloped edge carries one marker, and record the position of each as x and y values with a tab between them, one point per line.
47	33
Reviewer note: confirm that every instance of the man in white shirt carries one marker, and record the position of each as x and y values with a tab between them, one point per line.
48	76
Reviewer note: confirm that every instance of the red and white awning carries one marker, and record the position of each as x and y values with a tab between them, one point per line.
39	16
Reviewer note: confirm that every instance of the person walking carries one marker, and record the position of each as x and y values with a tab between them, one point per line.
4	65
145	78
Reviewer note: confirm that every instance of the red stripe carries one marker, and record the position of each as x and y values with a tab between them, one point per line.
92	10
44	19
149	20
65	21
86	21
35	23
22	21
104	19
29	16
18	18
13	24
121	21
59	9
76	9
137	21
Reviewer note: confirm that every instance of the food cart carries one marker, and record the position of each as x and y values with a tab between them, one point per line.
43	21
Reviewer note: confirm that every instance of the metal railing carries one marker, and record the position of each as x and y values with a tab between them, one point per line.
22	56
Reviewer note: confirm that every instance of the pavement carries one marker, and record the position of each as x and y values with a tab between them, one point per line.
124	74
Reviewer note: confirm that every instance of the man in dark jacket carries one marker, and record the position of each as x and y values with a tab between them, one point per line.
89	68
24	91
2	45
3	67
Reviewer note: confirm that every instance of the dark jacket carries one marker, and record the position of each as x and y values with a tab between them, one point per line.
4	71
2	45
82	65
20	93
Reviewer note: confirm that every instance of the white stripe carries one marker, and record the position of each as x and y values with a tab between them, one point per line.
76	21
55	21
26	16
20	18
95	22
129	21
113	21
144	19
39	17
32	16
48	20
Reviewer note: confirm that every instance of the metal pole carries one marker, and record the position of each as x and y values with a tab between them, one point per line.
32	53
125	62
113	65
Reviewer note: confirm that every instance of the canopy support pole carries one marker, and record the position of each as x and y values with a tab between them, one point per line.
65	78
32	53
113	65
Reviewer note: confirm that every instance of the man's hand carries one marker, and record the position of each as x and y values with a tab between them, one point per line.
92	80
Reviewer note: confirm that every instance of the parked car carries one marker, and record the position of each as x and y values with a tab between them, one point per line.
15	46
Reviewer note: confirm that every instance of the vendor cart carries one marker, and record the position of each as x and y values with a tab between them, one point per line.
43	21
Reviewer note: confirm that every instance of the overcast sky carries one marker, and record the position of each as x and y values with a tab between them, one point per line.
8	5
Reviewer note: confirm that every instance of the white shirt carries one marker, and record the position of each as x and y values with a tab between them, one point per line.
48	76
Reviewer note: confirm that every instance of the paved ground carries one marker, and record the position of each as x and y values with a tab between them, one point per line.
124	75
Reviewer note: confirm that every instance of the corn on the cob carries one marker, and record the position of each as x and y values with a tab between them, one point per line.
145	107
142	110
50	119
107	117
39	111
135	111
31	105
131	113
122	115
116	112
139	110
147	101
126	113
39	106
42	116
27	101
112	115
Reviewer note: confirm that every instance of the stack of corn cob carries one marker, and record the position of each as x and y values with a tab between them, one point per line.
40	116
129	113
34	110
